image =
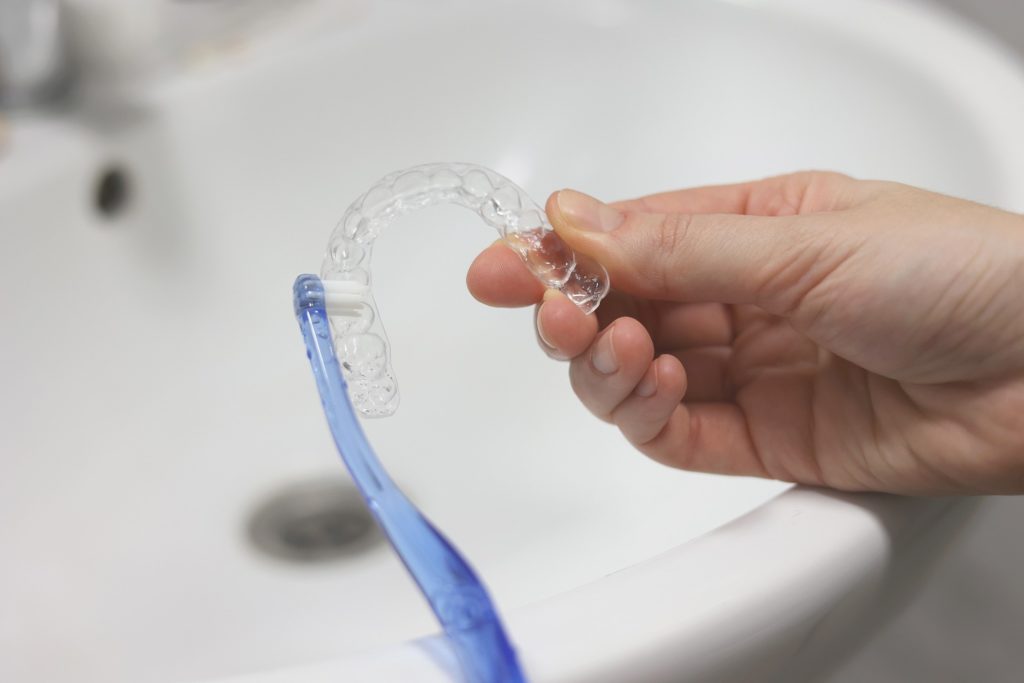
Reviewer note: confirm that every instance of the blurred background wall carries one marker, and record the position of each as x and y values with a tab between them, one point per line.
967	624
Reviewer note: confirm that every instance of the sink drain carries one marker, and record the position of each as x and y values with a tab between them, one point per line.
314	522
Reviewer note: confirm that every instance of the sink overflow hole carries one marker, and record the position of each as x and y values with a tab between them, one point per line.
112	191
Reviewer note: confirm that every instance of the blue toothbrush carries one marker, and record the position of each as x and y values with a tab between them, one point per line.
456	595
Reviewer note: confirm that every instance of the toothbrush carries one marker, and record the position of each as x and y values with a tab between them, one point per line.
455	593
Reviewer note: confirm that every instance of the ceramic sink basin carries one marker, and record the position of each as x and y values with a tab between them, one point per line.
155	395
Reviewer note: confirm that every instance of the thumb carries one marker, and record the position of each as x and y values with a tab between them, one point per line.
725	258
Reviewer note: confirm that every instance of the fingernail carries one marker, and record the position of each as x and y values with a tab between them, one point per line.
549	294
603	355
540	328
649	384
586	213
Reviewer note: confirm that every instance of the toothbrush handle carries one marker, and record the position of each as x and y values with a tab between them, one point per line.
455	593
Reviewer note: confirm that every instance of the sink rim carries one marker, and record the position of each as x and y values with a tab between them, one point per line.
568	637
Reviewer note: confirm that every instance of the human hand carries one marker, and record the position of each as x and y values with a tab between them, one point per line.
813	328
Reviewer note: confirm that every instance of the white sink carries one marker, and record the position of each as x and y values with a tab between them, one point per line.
154	389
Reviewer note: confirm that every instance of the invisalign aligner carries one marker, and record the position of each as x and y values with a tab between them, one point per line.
359	338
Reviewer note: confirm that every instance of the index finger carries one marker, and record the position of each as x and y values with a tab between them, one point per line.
498	277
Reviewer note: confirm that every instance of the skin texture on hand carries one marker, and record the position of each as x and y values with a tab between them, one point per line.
812	328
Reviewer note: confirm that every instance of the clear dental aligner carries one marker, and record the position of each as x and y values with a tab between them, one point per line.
359	338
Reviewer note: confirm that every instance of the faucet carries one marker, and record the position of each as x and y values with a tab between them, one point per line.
33	53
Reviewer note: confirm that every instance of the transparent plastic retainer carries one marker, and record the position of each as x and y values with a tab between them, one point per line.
359	338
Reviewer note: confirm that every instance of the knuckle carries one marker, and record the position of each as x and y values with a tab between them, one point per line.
650	248
803	192
823	191
667	239
802	269
672	231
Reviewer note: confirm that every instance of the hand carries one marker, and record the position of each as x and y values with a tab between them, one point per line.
812	328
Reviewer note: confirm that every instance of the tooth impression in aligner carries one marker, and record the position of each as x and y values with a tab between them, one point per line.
359	338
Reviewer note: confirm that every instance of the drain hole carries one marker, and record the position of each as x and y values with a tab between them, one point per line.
112	191
316	521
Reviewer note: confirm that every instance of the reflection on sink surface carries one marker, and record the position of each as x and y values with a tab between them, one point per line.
155	392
